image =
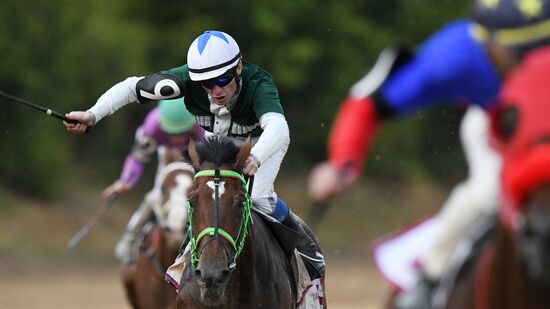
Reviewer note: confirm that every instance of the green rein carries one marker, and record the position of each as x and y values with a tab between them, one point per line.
238	243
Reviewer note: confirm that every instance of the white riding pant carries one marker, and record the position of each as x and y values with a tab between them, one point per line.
477	195
263	196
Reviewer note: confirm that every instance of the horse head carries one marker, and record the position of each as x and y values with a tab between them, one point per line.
175	180
219	213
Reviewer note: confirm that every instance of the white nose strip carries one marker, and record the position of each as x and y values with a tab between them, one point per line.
175	208
221	188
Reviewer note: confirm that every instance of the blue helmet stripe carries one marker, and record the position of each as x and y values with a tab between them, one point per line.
203	39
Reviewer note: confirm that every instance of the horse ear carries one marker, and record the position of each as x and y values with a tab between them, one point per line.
194	155
244	152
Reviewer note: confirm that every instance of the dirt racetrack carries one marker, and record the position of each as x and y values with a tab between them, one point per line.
69	285
38	271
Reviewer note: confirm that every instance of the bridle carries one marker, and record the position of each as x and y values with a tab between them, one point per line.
214	233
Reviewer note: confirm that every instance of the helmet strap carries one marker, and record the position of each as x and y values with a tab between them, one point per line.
238	79
239	84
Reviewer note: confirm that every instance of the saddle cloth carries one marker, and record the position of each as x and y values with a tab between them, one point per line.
397	255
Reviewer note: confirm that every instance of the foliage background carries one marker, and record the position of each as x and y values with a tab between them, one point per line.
65	54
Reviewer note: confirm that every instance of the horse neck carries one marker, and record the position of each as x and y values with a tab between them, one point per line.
163	250
254	252
260	259
508	284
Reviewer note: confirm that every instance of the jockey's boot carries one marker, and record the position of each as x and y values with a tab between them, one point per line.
307	248
419	296
123	249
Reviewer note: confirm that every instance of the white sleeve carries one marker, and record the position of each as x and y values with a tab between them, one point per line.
116	97
275	136
208	134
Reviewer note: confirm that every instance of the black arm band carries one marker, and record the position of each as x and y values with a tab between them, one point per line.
383	109
159	87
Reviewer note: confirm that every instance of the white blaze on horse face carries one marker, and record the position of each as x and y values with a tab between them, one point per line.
221	188
176	207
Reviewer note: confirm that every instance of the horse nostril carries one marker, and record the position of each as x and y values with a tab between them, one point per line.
198	273
224	275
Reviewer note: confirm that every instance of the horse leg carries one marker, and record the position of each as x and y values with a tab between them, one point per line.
128	276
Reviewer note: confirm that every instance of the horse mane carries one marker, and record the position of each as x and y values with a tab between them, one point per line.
216	149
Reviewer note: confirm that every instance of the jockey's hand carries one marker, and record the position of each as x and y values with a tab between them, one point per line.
326	182
85	119
251	165
118	187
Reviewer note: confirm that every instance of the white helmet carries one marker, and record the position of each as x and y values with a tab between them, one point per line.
211	54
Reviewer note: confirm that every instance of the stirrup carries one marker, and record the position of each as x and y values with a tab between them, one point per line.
315	266
419	297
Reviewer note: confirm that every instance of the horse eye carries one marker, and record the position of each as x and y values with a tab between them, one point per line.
238	199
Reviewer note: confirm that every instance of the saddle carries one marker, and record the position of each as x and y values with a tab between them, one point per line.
147	242
286	237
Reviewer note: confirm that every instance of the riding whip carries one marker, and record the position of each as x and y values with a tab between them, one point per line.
319	209
317	213
250	184
40	108
92	221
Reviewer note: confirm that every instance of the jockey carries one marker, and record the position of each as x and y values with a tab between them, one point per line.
169	126
463	62
228	97
522	134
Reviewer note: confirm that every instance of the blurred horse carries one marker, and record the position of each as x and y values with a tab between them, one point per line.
235	260
159	241
509	267
513	269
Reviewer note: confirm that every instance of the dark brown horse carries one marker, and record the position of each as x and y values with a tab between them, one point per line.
159	241
513	269
235	260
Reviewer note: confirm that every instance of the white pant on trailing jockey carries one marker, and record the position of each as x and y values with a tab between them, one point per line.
430	244
476	196
263	191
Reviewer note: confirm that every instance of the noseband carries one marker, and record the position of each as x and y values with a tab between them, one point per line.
215	232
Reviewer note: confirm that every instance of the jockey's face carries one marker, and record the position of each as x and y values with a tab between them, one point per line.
177	139
222	95
504	58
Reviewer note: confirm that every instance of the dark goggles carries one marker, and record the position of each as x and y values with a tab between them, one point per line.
220	81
